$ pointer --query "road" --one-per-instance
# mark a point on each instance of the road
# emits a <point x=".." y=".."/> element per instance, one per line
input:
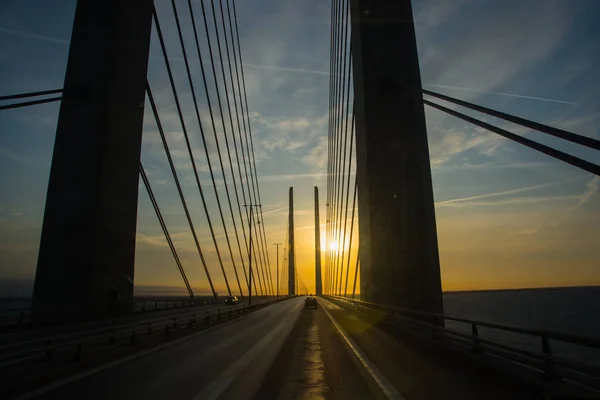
<point x="240" y="359"/>
<point x="287" y="351"/>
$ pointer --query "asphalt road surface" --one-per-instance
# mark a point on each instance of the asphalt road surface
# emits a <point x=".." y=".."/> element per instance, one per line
<point x="281" y="351"/>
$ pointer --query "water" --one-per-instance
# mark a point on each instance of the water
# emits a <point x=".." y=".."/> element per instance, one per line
<point x="568" y="310"/>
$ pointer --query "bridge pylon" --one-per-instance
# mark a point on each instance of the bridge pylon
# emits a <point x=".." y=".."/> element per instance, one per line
<point x="87" y="248"/>
<point x="399" y="261"/>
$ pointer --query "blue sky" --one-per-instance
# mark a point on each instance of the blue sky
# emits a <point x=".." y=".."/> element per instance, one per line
<point x="507" y="216"/>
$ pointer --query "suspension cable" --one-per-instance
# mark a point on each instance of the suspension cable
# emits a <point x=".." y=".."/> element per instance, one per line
<point x="219" y="101"/>
<point x="233" y="134"/>
<point x="549" y="130"/>
<point x="184" y="129"/>
<point x="557" y="154"/>
<point x="347" y="199"/>
<point x="241" y="140"/>
<point x="29" y="103"/>
<point x="179" y="190"/>
<point x="163" y="225"/>
<point x="30" y="94"/>
<point x="248" y="116"/>
<point x="351" y="235"/>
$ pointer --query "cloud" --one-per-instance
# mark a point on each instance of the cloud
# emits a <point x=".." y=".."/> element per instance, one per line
<point x="317" y="156"/>
<point x="593" y="187"/>
<point x="34" y="36"/>
<point x="488" y="165"/>
<point x="511" y="201"/>
<point x="502" y="94"/>
<point x="447" y="140"/>
<point x="285" y="69"/>
<point x="449" y="203"/>
<point x="484" y="54"/>
<point x="16" y="157"/>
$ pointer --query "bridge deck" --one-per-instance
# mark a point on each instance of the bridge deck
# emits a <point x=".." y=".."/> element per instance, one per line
<point x="286" y="351"/>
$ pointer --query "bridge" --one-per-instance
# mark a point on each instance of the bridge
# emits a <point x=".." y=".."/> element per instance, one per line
<point x="379" y="329"/>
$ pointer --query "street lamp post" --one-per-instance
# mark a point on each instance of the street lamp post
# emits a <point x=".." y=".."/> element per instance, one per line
<point x="277" y="244"/>
<point x="250" y="254"/>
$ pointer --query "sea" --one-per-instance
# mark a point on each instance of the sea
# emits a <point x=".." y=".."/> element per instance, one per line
<point x="574" y="310"/>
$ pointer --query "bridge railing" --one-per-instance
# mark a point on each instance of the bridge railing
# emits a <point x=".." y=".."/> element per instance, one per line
<point x="543" y="361"/>
<point x="18" y="316"/>
<point x="73" y="346"/>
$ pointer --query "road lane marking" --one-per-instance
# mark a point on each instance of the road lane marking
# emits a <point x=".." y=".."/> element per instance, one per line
<point x="47" y="388"/>
<point x="313" y="370"/>
<point x="384" y="384"/>
<point x="224" y="380"/>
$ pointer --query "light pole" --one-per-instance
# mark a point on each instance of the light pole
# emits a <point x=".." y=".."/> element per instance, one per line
<point x="250" y="254"/>
<point x="277" y="244"/>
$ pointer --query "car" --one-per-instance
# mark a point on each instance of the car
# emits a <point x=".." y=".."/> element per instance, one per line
<point x="231" y="301"/>
<point x="310" y="302"/>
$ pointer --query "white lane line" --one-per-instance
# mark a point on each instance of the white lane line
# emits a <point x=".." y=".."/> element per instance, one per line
<point x="384" y="384"/>
<point x="93" y="371"/>
<point x="222" y="382"/>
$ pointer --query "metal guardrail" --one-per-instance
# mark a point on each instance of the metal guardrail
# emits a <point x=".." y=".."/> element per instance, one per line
<point x="19" y="316"/>
<point x="544" y="362"/>
<point x="72" y="346"/>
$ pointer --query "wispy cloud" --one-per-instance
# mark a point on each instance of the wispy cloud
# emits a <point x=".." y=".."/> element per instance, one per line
<point x="461" y="201"/>
<point x="285" y="69"/>
<point x="34" y="36"/>
<point x="16" y="157"/>
<point x="488" y="165"/>
<point x="501" y="94"/>
<point x="274" y="211"/>
<point x="593" y="187"/>
<point x="511" y="201"/>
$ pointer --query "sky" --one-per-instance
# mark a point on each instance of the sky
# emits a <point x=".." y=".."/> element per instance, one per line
<point x="506" y="216"/>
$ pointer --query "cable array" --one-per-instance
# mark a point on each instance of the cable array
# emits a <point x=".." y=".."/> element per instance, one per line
<point x="417" y="94"/>
<point x="41" y="93"/>
<point x="223" y="91"/>
<point x="340" y="168"/>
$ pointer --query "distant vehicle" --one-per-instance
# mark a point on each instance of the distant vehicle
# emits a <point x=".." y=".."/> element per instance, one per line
<point x="231" y="300"/>
<point x="310" y="302"/>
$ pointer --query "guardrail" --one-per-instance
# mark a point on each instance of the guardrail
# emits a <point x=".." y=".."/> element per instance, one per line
<point x="73" y="346"/>
<point x="544" y="362"/>
<point x="18" y="317"/>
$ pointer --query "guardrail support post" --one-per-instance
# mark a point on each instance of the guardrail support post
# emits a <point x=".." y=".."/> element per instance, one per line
<point x="49" y="354"/>
<point x="476" y="341"/>
<point x="549" y="373"/>
<point x="78" y="352"/>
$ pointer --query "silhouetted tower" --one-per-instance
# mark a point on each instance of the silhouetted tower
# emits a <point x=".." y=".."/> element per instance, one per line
<point x="291" y="257"/>
<point x="318" y="284"/>
<point x="87" y="248"/>
<point x="398" y="243"/>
